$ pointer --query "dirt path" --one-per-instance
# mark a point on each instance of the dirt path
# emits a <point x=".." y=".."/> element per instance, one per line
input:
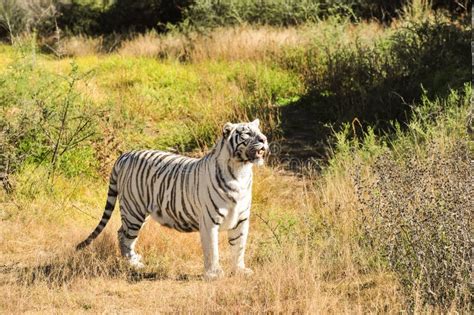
<point x="303" y="145"/>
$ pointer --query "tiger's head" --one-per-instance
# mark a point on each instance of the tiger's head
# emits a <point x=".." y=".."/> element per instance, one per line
<point x="246" y="142"/>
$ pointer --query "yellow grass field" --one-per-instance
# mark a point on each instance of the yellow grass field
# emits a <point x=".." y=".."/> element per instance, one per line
<point x="48" y="276"/>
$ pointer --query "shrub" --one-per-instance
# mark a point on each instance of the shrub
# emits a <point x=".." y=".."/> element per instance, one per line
<point x="416" y="204"/>
<point x="140" y="16"/>
<point x="279" y="12"/>
<point x="79" y="17"/>
<point x="44" y="120"/>
<point x="17" y="17"/>
<point x="419" y="219"/>
<point x="378" y="82"/>
<point x="216" y="13"/>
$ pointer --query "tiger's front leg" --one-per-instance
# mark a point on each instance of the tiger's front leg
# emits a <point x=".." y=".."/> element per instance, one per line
<point x="237" y="239"/>
<point x="210" y="246"/>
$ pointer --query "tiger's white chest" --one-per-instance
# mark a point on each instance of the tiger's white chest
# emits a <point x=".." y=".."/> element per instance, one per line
<point x="236" y="212"/>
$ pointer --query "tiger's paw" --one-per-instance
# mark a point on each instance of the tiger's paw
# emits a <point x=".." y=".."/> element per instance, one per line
<point x="214" y="274"/>
<point x="135" y="261"/>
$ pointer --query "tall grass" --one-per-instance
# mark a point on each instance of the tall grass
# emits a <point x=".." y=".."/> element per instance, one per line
<point x="240" y="43"/>
<point x="416" y="204"/>
<point x="377" y="81"/>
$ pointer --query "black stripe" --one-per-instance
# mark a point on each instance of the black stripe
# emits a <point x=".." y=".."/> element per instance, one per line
<point x="186" y="227"/>
<point x="183" y="201"/>
<point x="214" y="204"/>
<point x="141" y="216"/>
<point x="136" y="201"/>
<point x="234" y="239"/>
<point x="212" y="219"/>
<point x="170" y="206"/>
<point x="106" y="215"/>
<point x="109" y="206"/>
<point x="129" y="182"/>
<point x="223" y="187"/>
<point x="230" y="170"/>
<point x="238" y="223"/>
<point x="142" y="167"/>
<point x="221" y="179"/>
<point x="151" y="179"/>
<point x="130" y="237"/>
<point x="130" y="211"/>
<point x="219" y="189"/>
<point x="130" y="225"/>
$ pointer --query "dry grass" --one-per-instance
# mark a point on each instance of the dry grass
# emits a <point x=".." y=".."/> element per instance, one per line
<point x="79" y="46"/>
<point x="239" y="43"/>
<point x="417" y="208"/>
<point x="231" y="43"/>
<point x="41" y="272"/>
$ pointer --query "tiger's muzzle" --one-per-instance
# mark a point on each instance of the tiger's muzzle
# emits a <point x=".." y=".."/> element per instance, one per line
<point x="258" y="150"/>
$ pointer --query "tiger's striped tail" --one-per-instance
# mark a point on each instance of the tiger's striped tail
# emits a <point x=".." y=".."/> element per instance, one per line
<point x="109" y="208"/>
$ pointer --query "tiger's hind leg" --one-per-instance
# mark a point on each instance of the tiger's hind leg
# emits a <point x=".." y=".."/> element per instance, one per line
<point x="128" y="235"/>
<point x="127" y="248"/>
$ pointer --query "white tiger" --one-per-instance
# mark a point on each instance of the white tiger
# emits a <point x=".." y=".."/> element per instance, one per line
<point x="208" y="195"/>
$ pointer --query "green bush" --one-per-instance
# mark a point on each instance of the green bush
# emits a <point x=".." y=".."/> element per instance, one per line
<point x="215" y="13"/>
<point x="43" y="120"/>
<point x="276" y="12"/>
<point x="378" y="83"/>
<point x="79" y="17"/>
<point x="120" y="16"/>
<point x="416" y="203"/>
<point x="286" y="12"/>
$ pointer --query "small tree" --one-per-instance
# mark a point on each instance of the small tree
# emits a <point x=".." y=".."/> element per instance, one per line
<point x="24" y="16"/>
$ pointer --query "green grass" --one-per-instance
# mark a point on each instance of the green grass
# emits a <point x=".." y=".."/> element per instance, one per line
<point x="145" y="103"/>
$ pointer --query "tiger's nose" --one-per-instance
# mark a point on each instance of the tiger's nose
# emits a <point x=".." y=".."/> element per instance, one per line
<point x="261" y="138"/>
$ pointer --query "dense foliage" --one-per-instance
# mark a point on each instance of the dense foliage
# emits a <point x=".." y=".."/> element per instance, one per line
<point x="379" y="82"/>
<point x="94" y="17"/>
<point x="122" y="16"/>
<point x="416" y="203"/>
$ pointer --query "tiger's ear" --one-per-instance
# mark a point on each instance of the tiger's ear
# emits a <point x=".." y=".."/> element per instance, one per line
<point x="255" y="123"/>
<point x="227" y="129"/>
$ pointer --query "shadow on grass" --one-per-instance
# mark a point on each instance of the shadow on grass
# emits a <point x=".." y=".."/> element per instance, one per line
<point x="372" y="85"/>
<point x="61" y="273"/>
<point x="101" y="260"/>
